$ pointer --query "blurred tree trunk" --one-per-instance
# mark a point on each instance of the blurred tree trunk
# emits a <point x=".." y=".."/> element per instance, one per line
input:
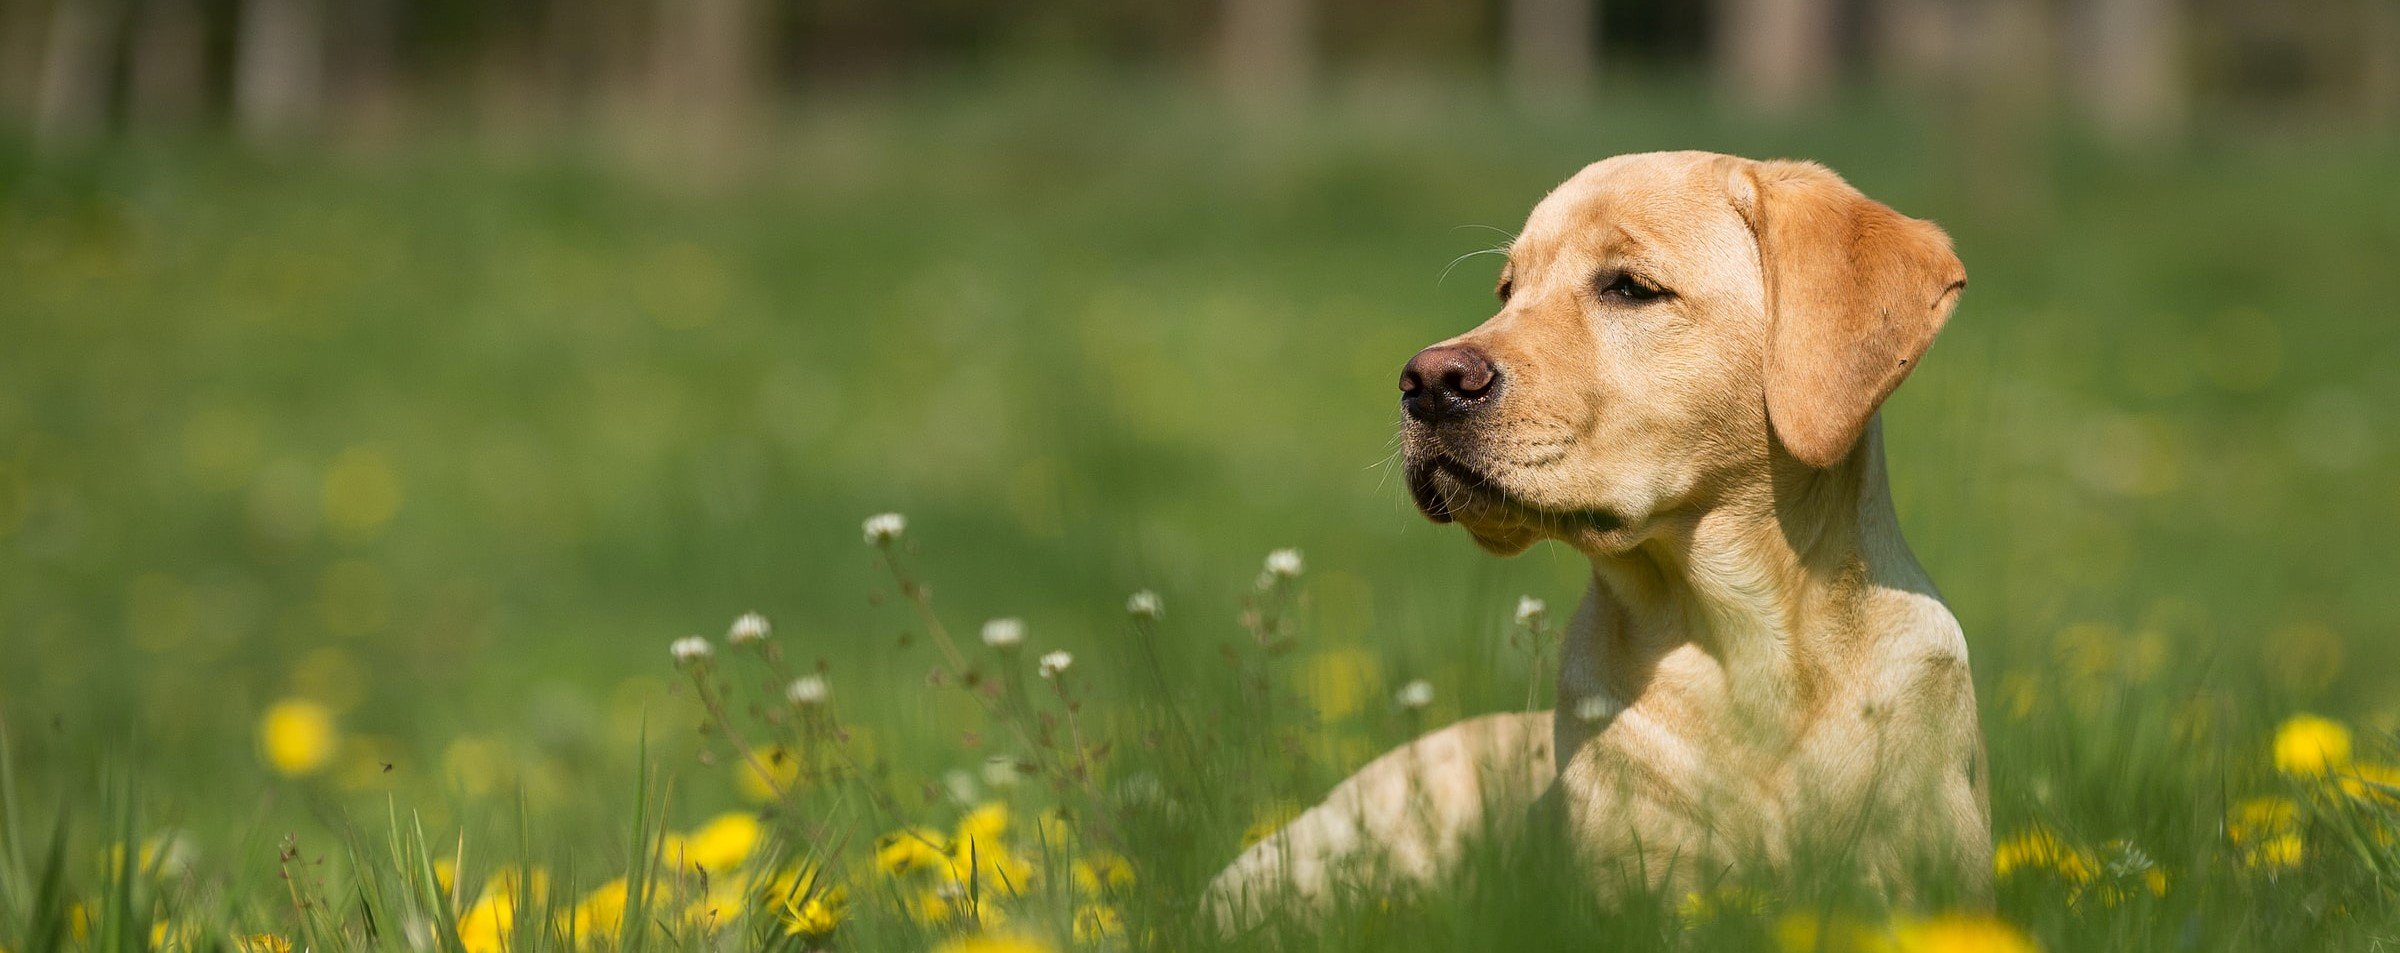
<point x="279" y="67"/>
<point x="78" y="59"/>
<point x="571" y="58"/>
<point x="2003" y="118"/>
<point x="1552" y="51"/>
<point x="2380" y="74"/>
<point x="365" y="75"/>
<point x="1775" y="56"/>
<point x="170" y="63"/>
<point x="1916" y="42"/>
<point x="705" y="67"/>
<point x="1267" y="50"/>
<point x="2131" y="69"/>
<point x="21" y="41"/>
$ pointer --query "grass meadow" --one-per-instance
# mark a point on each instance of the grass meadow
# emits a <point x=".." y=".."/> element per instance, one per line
<point x="350" y="502"/>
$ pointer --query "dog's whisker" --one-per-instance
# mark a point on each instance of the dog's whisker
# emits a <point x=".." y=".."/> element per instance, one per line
<point x="1506" y="237"/>
<point x="1446" y="269"/>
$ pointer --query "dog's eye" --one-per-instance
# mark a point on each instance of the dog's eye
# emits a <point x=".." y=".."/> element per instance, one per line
<point x="1631" y="288"/>
<point x="1506" y="286"/>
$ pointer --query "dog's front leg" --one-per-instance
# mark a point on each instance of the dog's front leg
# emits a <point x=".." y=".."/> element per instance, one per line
<point x="1400" y="820"/>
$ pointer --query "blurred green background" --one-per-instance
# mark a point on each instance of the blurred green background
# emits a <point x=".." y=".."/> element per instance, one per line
<point x="445" y="376"/>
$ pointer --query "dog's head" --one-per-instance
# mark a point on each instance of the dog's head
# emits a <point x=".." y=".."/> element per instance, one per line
<point x="1670" y="325"/>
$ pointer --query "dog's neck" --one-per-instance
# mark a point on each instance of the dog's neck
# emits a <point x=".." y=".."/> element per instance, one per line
<point x="1747" y="612"/>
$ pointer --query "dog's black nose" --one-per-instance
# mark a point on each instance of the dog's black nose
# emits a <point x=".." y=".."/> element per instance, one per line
<point x="1444" y="382"/>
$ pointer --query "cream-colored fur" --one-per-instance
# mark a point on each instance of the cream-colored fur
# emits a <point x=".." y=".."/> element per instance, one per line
<point x="1759" y="664"/>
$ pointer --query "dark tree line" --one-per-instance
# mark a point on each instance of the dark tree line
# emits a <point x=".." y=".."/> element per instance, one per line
<point x="706" y="69"/>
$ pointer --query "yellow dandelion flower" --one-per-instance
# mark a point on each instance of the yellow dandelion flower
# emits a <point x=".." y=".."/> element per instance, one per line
<point x="769" y="772"/>
<point x="990" y="866"/>
<point x="908" y="851"/>
<point x="1807" y="933"/>
<point x="1100" y="873"/>
<point x="1055" y="829"/>
<point x="993" y="943"/>
<point x="2307" y="746"/>
<point x="725" y="900"/>
<point x="948" y="903"/>
<point x="942" y="906"/>
<point x="2280" y="852"/>
<point x="491" y="919"/>
<point x="1703" y="907"/>
<point x="2037" y="848"/>
<point x="985" y="824"/>
<point x="262" y="943"/>
<point x="168" y="935"/>
<point x="1960" y="933"/>
<point x="816" y="914"/>
<point x="1097" y="922"/>
<point x="722" y="844"/>
<point x="2267" y="829"/>
<point x="2375" y="782"/>
<point x="979" y="852"/>
<point x="486" y="925"/>
<point x="933" y="907"/>
<point x="297" y="737"/>
<point x="601" y="913"/>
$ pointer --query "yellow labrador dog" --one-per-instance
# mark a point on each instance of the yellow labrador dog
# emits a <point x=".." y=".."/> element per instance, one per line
<point x="1682" y="383"/>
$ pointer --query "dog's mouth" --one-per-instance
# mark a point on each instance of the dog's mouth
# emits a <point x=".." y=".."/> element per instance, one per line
<point x="1447" y="490"/>
<point x="1446" y="487"/>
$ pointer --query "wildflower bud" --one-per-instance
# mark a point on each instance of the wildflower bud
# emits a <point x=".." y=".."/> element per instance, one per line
<point x="1000" y="771"/>
<point x="1415" y="695"/>
<point x="807" y="690"/>
<point x="1284" y="563"/>
<point x="690" y="649"/>
<point x="961" y="786"/>
<point x="1004" y="633"/>
<point x="1056" y="662"/>
<point x="1144" y="605"/>
<point x="1531" y="611"/>
<point x="883" y="528"/>
<point x="751" y="627"/>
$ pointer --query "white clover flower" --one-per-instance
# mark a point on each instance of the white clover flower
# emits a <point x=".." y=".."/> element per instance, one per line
<point x="690" y="648"/>
<point x="1595" y="707"/>
<point x="1056" y="662"/>
<point x="1004" y="633"/>
<point x="1144" y="605"/>
<point x="961" y="786"/>
<point x="807" y="690"/>
<point x="1000" y="771"/>
<point x="1285" y="563"/>
<point x="1531" y="610"/>
<point x="751" y="627"/>
<point x="1415" y="695"/>
<point x="883" y="528"/>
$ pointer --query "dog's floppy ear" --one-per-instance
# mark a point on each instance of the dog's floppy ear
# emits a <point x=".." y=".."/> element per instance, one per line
<point x="1855" y="293"/>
